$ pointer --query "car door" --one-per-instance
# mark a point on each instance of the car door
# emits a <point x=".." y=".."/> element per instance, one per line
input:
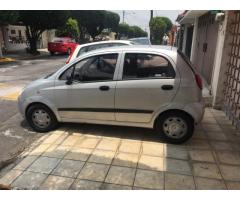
<point x="91" y="94"/>
<point x="148" y="82"/>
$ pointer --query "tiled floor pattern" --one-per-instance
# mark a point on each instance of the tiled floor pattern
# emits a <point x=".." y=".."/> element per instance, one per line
<point x="119" y="158"/>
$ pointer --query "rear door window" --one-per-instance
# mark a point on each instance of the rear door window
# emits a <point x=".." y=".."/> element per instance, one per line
<point x="146" y="66"/>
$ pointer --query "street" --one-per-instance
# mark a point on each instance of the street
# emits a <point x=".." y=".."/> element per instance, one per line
<point x="14" y="132"/>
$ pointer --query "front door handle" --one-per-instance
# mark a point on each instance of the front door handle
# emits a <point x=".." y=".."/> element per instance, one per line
<point x="104" y="88"/>
<point x="167" y="87"/>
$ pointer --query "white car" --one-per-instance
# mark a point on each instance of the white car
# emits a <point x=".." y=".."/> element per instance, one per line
<point x="84" y="48"/>
<point x="129" y="85"/>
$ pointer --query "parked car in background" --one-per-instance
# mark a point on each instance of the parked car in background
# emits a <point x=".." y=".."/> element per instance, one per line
<point x="130" y="86"/>
<point x="84" y="48"/>
<point x="62" y="45"/>
<point x="141" y="41"/>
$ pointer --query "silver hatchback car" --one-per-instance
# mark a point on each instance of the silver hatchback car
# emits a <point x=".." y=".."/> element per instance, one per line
<point x="129" y="85"/>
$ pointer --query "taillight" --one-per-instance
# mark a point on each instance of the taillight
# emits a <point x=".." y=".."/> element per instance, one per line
<point x="199" y="81"/>
<point x="69" y="58"/>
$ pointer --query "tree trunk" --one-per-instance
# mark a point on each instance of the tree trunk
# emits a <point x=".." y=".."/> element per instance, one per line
<point x="32" y="37"/>
<point x="1" y="55"/>
<point x="33" y="45"/>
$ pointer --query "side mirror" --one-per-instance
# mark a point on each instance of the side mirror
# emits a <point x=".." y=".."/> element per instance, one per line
<point x="69" y="80"/>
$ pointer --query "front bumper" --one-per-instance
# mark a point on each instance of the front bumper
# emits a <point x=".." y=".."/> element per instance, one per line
<point x="21" y="106"/>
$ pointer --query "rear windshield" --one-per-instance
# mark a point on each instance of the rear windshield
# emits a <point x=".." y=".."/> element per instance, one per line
<point x="61" y="40"/>
<point x="186" y="59"/>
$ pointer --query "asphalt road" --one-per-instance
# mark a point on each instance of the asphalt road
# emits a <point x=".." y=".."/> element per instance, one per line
<point x="15" y="135"/>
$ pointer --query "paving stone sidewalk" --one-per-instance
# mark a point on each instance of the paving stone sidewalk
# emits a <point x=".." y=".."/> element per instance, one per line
<point x="110" y="157"/>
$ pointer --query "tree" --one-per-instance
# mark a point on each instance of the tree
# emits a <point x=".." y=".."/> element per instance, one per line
<point x="70" y="29"/>
<point x="37" y="21"/>
<point x="92" y="20"/>
<point x="130" y="31"/>
<point x="168" y="23"/>
<point x="123" y="30"/>
<point x="111" y="20"/>
<point x="136" y="31"/>
<point x="157" y="28"/>
<point x="7" y="17"/>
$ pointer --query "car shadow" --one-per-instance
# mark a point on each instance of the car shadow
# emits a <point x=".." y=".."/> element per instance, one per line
<point x="124" y="132"/>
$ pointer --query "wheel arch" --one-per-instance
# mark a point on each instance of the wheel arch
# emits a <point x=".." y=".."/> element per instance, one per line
<point x="40" y="103"/>
<point x="172" y="110"/>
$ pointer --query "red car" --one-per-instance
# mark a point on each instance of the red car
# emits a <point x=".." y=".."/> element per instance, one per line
<point x="62" y="45"/>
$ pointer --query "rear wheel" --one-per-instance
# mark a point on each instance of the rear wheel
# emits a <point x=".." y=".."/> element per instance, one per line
<point x="52" y="53"/>
<point x="175" y="126"/>
<point x="41" y="118"/>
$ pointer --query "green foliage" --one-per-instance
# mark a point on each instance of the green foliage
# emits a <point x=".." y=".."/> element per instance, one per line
<point x="37" y="21"/>
<point x="123" y="29"/>
<point x="158" y="28"/>
<point x="8" y="17"/>
<point x="130" y="31"/>
<point x="136" y="31"/>
<point x="111" y="21"/>
<point x="168" y="23"/>
<point x="94" y="21"/>
<point x="70" y="29"/>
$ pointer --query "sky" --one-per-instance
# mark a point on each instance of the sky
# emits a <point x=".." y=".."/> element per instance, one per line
<point x="141" y="17"/>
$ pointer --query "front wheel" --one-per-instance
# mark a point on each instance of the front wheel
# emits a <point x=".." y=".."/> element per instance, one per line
<point x="175" y="127"/>
<point x="41" y="118"/>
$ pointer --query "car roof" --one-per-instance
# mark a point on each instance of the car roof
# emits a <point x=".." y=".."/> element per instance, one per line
<point x="166" y="50"/>
<point x="106" y="42"/>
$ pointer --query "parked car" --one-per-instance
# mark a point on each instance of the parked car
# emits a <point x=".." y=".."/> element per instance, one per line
<point x="128" y="85"/>
<point x="62" y="45"/>
<point x="84" y="48"/>
<point x="141" y="41"/>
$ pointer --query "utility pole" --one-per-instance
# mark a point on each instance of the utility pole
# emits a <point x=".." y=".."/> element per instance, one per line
<point x="123" y="16"/>
<point x="151" y="16"/>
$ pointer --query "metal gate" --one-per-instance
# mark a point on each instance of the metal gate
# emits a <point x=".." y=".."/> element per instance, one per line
<point x="232" y="83"/>
<point x="206" y="45"/>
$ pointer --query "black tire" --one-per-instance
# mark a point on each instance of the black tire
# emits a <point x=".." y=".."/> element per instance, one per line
<point x="53" y="120"/>
<point x="69" y="51"/>
<point x="159" y="126"/>
<point x="52" y="53"/>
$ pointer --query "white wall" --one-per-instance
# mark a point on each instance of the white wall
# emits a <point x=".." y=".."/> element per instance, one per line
<point x="221" y="59"/>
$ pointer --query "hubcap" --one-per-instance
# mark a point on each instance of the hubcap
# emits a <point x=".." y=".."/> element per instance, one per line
<point x="41" y="118"/>
<point x="175" y="127"/>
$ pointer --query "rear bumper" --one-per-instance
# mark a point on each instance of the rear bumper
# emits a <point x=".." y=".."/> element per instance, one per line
<point x="58" y="50"/>
<point x="196" y="110"/>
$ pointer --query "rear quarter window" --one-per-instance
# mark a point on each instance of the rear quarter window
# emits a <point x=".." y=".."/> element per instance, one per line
<point x="147" y="66"/>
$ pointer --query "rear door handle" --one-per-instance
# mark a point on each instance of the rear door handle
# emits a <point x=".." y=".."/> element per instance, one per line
<point x="167" y="87"/>
<point x="104" y="88"/>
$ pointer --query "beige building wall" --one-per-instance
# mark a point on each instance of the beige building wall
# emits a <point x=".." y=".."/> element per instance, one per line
<point x="47" y="36"/>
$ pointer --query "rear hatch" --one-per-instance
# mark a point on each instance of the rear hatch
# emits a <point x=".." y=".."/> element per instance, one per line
<point x="55" y="44"/>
